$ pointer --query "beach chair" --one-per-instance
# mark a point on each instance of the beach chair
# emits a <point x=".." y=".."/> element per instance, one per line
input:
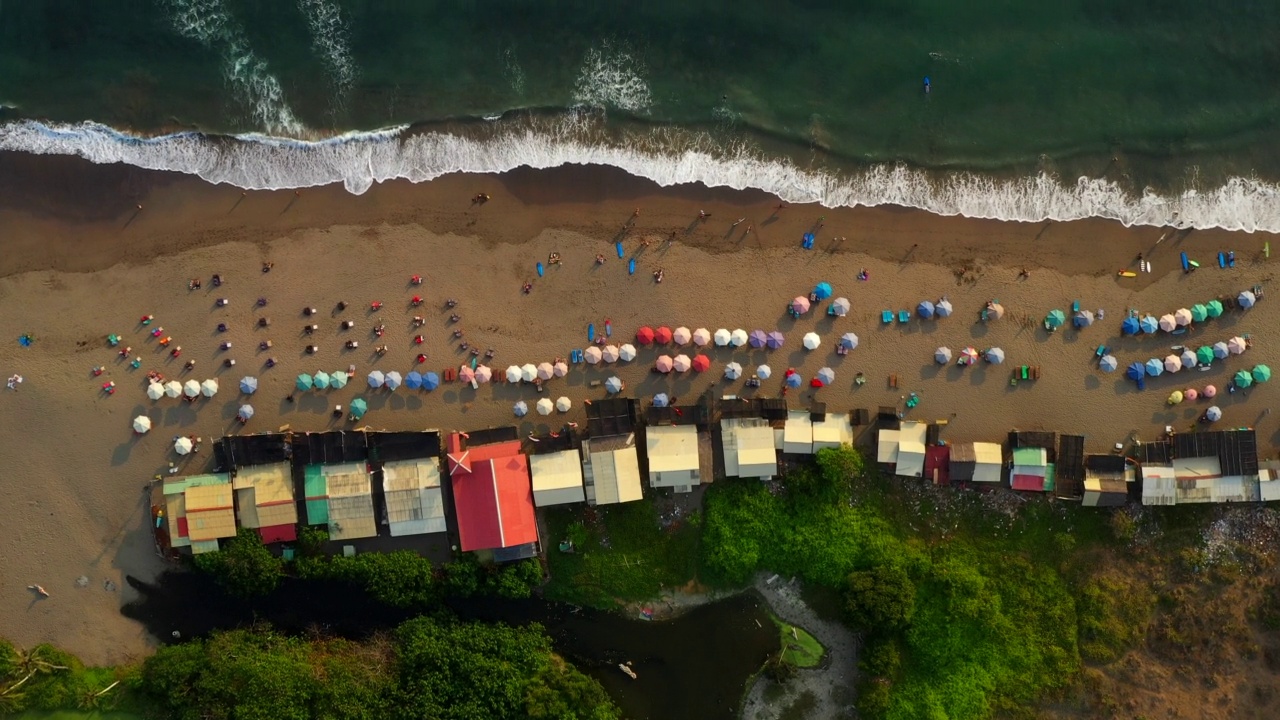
<point x="904" y="316"/>
<point x="886" y="316"/>
<point x="449" y="374"/>
<point x="1102" y="350"/>
<point x="1013" y="377"/>
<point x="1026" y="372"/>
<point x="893" y="381"/>
<point x="1035" y="372"/>
<point x="1075" y="306"/>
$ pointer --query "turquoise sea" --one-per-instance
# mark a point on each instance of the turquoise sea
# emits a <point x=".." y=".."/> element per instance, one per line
<point x="1147" y="112"/>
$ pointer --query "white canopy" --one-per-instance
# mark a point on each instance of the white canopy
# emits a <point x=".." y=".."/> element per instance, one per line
<point x="141" y="424"/>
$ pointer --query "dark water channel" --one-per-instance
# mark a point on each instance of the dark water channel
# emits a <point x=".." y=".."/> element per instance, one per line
<point x="694" y="666"/>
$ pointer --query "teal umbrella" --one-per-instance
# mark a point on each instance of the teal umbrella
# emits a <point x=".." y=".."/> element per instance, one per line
<point x="338" y="380"/>
<point x="1213" y="308"/>
<point x="1204" y="355"/>
<point x="322" y="380"/>
<point x="358" y="408"/>
<point x="304" y="381"/>
<point x="1055" y="319"/>
<point x="1261" y="373"/>
<point x="1243" y="379"/>
<point x="1199" y="313"/>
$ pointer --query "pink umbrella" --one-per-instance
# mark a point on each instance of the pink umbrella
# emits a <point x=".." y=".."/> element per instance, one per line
<point x="682" y="336"/>
<point x="701" y="337"/>
<point x="1190" y="394"/>
<point x="1210" y="391"/>
<point x="466" y="374"/>
<point x="484" y="374"/>
<point x="1236" y="345"/>
<point x="610" y="353"/>
<point x="593" y="354"/>
<point x="664" y="363"/>
<point x="546" y="371"/>
<point x="800" y="305"/>
<point x="560" y="369"/>
<point x="1168" y="323"/>
<point x="682" y="363"/>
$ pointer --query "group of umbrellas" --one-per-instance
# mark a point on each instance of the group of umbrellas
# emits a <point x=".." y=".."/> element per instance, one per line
<point x="1182" y="317"/>
<point x="543" y="406"/>
<point x="190" y="388"/>
<point x="319" y="381"/>
<point x="969" y="356"/>
<point x="1188" y="358"/>
<point x="927" y="309"/>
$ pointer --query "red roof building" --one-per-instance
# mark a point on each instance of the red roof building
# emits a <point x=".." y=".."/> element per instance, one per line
<point x="492" y="495"/>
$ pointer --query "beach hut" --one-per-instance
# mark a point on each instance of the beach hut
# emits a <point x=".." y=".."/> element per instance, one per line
<point x="968" y="356"/>
<point x="1199" y="313"/>
<point x="826" y="375"/>
<point x="664" y="364"/>
<point x="1136" y="371"/>
<point x="483" y="374"/>
<point x="1189" y="358"/>
<point x="338" y="379"/>
<point x="849" y="341"/>
<point x="925" y="309"/>
<point x="1154" y="367"/>
<point x="564" y="404"/>
<point x="593" y="355"/>
<point x="546" y="371"/>
<point x="738" y="338"/>
<point x="682" y="363"/>
<point x="561" y="368"/>
<point x="1168" y="323"/>
<point x="413" y="380"/>
<point x="155" y="391"/>
<point x="942" y="355"/>
<point x="701" y="363"/>
<point x="702" y="337"/>
<point x="800" y="305"/>
<point x="732" y="371"/>
<point x="376" y="378"/>
<point x="1220" y="350"/>
<point x="1213" y="414"/>
<point x="663" y="335"/>
<point x="430" y="381"/>
<point x="812" y="341"/>
<point x="610" y="353"/>
<point x="757" y="339"/>
<point x="721" y="337"/>
<point x="661" y="400"/>
<point x="1214" y="308"/>
<point x="545" y="406"/>
<point x="613" y="385"/>
<point x="943" y="308"/>
<point x="1247" y="299"/>
<point x="626" y="353"/>
<point x="521" y="408"/>
<point x="304" y="382"/>
<point x="1261" y="373"/>
<point x="1082" y="318"/>
<point x="209" y="388"/>
<point x="245" y="412"/>
<point x="1209" y="391"/>
<point x="776" y="339"/>
<point x="644" y="335"/>
<point x="822" y="290"/>
<point x="995" y="356"/>
<point x="359" y="407"/>
<point x="763" y="372"/>
<point x="529" y="372"/>
<point x="1172" y="363"/>
<point x="840" y="307"/>
<point x="1130" y="326"/>
<point x="1149" y="324"/>
<point x="172" y="389"/>
<point x="1204" y="354"/>
<point x="183" y="445"/>
<point x="320" y="380"/>
<point x="682" y="336"/>
<point x="1108" y="363"/>
<point x="394" y="380"/>
<point x="1242" y="378"/>
<point x="793" y="379"/>
<point x="1182" y="316"/>
<point x="1237" y="345"/>
<point x="248" y="385"/>
<point x="1054" y="320"/>
<point x="141" y="424"/>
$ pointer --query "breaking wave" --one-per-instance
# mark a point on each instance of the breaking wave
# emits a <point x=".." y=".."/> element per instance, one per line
<point x="663" y="155"/>
<point x="611" y="77"/>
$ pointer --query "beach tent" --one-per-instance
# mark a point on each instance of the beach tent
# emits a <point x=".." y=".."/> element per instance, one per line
<point x="209" y="387"/>
<point x="1213" y="414"/>
<point x="943" y="308"/>
<point x="1214" y="308"/>
<point x="849" y="341"/>
<point x="1168" y="323"/>
<point x="1172" y="363"/>
<point x="738" y="338"/>
<point x="1220" y="350"/>
<point x="304" y="382"/>
<point x="359" y="407"/>
<point x="430" y="381"/>
<point x="1055" y="319"/>
<point x="245" y="412"/>
<point x="183" y="445"/>
<point x="701" y="363"/>
<point x="682" y="363"/>
<point x="800" y="305"/>
<point x="664" y="364"/>
<point x="521" y="408"/>
<point x="995" y="356"/>
<point x="155" y="391"/>
<point x="1149" y="324"/>
<point x="546" y="371"/>
<point x="1242" y="378"/>
<point x="1247" y="299"/>
<point x="722" y="337"/>
<point x="776" y="339"/>
<point x="1237" y="345"/>
<point x="141" y="424"/>
<point x="1189" y="358"/>
<point x="248" y="385"/>
<point x="483" y="374"/>
<point x="320" y="380"/>
<point x="661" y="400"/>
<point x="826" y="375"/>
<point x="1108" y="363"/>
<point x="1082" y="318"/>
<point x="529" y="372"/>
<point x="172" y="389"/>
<point x="925" y="309"/>
<point x="338" y="379"/>
<point x="812" y="341"/>
<point x="1136" y="371"/>
<point x="682" y="336"/>
<point x="413" y="380"/>
<point x="610" y="353"/>
<point x="593" y="355"/>
<point x="545" y="406"/>
<point x="376" y="379"/>
<point x="1261" y="373"/>
<point x="626" y="353"/>
<point x="644" y="335"/>
<point x="1154" y="367"/>
<point x="758" y="338"/>
<point x="763" y="372"/>
<point x="942" y="355"/>
<point x="840" y="307"/>
<point x="394" y="380"/>
<point x="1130" y="326"/>
<point x="663" y="335"/>
<point x="822" y="290"/>
<point x="1199" y="313"/>
<point x="563" y="404"/>
<point x="1182" y="316"/>
<point x="702" y="337"/>
<point x="794" y="380"/>
<point x="732" y="371"/>
<point x="613" y="385"/>
<point x="1204" y="354"/>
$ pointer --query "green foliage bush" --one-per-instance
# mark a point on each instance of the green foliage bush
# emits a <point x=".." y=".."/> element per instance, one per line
<point x="881" y="599"/>
<point x="1114" y="613"/>
<point x="244" y="566"/>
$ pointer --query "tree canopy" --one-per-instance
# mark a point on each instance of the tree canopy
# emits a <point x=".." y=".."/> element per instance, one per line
<point x="244" y="566"/>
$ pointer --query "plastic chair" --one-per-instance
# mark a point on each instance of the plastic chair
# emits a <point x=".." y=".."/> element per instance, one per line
<point x="886" y="316"/>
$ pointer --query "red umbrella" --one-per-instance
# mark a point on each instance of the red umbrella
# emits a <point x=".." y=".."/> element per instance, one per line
<point x="815" y="383"/>
<point x="644" y="335"/>
<point x="662" y="335"/>
<point x="701" y="363"/>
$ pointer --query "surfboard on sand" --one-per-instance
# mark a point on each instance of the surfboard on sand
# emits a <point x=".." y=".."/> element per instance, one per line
<point x="591" y="332"/>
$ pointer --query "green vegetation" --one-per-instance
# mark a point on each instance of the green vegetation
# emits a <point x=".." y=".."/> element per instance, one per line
<point x="621" y="553"/>
<point x="44" y="678"/>
<point x="799" y="648"/>
<point x="1114" y="613"/>
<point x="244" y="566"/>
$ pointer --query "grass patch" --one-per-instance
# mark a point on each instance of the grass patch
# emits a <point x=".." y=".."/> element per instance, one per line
<point x="799" y="649"/>
<point x="1115" y="612"/>
<point x="622" y="553"/>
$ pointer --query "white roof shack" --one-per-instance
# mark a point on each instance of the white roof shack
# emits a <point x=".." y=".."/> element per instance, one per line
<point x="887" y="447"/>
<point x="748" y="445"/>
<point x="673" y="456"/>
<point x="989" y="458"/>
<point x="832" y="431"/>
<point x="412" y="492"/>
<point x="797" y="434"/>
<point x="1269" y="482"/>
<point x="903" y="448"/>
<point x="557" y="478"/>
<point x="1159" y="485"/>
<point x="611" y="471"/>
<point x="350" y="501"/>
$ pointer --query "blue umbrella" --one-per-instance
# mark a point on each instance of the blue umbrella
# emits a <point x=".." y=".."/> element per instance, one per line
<point x="758" y="339"/>
<point x="822" y="291"/>
<point x="661" y="400"/>
<point x="943" y="308"/>
<point x="1130" y="326"/>
<point x="1149" y="324"/>
<point x="430" y="381"/>
<point x="794" y="380"/>
<point x="1155" y="367"/>
<point x="413" y="380"/>
<point x="248" y="385"/>
<point x="304" y="382"/>
<point x="827" y="375"/>
<point x="1108" y="363"/>
<point x="925" y="309"/>
<point x="1136" y="371"/>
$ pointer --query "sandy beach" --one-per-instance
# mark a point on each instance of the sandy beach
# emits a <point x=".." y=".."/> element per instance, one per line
<point x="83" y="261"/>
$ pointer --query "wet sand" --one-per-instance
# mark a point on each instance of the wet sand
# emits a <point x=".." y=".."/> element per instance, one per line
<point x="82" y="262"/>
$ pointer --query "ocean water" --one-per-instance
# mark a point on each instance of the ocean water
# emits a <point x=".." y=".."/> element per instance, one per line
<point x="1146" y="112"/>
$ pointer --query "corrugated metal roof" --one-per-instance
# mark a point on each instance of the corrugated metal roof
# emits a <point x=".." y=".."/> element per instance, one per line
<point x="1030" y="457"/>
<point x="411" y="489"/>
<point x="210" y="512"/>
<point x="351" y="517"/>
<point x="797" y="433"/>
<point x="672" y="447"/>
<point x="616" y="475"/>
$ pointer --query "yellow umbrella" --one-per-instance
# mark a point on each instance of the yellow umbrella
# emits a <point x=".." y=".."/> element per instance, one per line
<point x="1175" y="397"/>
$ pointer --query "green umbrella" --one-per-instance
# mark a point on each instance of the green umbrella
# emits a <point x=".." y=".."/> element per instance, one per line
<point x="1243" y="379"/>
<point x="358" y="408"/>
<point x="304" y="382"/>
<point x="321" y="380"/>
<point x="338" y="379"/>
<point x="1055" y="319"/>
<point x="1214" y="308"/>
<point x="1205" y="355"/>
<point x="1261" y="373"/>
<point x="1199" y="313"/>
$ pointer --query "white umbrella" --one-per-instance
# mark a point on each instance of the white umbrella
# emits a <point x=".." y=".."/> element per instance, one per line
<point x="155" y="391"/>
<point x="733" y="371"/>
<point x="627" y="352"/>
<point x="248" y="385"/>
<point x="1183" y="317"/>
<point x="563" y="404"/>
<point x="191" y="388"/>
<point x="849" y="341"/>
<point x="546" y="371"/>
<point x="738" y="338"/>
<point x="209" y="387"/>
<point x="393" y="380"/>
<point x="722" y="337"/>
<point x="840" y="307"/>
<point x="826" y="376"/>
<point x="682" y="336"/>
<point x="141" y="424"/>
<point x="521" y="408"/>
<point x="376" y="379"/>
<point x="812" y="341"/>
<point x="682" y="363"/>
<point x="593" y="355"/>
<point x="942" y="355"/>
<point x="545" y="406"/>
<point x="763" y="372"/>
<point x="610" y="354"/>
<point x="528" y="372"/>
<point x="173" y="388"/>
<point x="182" y="445"/>
<point x="561" y="369"/>
<point x="701" y="336"/>
<point x="513" y="374"/>
<point x="1172" y="363"/>
<point x="613" y="385"/>
<point x="1213" y="414"/>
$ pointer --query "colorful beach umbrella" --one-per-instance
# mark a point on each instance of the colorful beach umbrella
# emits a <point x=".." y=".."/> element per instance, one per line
<point x="141" y="424"/>
<point x="430" y="381"/>
<point x="626" y="353"/>
<point x="776" y="339"/>
<point x="800" y="305"/>
<point x="1214" y="308"/>
<point x="394" y="380"/>
<point x="248" y="385"/>
<point x="183" y="445"/>
<point x="1082" y="318"/>
<point x="613" y="385"/>
<point x="942" y="355"/>
<point x="969" y="355"/>
<point x="209" y="387"/>
<point x="483" y="374"/>
<point x="1182" y="316"/>
<point x="995" y="311"/>
<point x="172" y="389"/>
<point x="1149" y="324"/>
<point x="664" y="364"/>
<point x="1220" y="350"/>
<point x="528" y="372"/>
<point x="545" y="406"/>
<point x="338" y="379"/>
<point x="794" y="380"/>
<point x="546" y="371"/>
<point x="1189" y="358"/>
<point x="1247" y="299"/>
<point x="682" y="363"/>
<point x="1154" y="367"/>
<point x="304" y="382"/>
<point x="1130" y="326"/>
<point x="849" y="341"/>
<point x="738" y="338"/>
<point x="701" y="363"/>
<point x="1108" y="363"/>
<point x="1172" y="363"/>
<point x="521" y="408"/>
<point x="682" y="336"/>
<point x="826" y="375"/>
<point x="758" y="338"/>
<point x="822" y="290"/>
<point x="413" y="380"/>
<point x="1168" y="323"/>
<point x="1199" y="313"/>
<point x="1213" y="414"/>
<point x="1242" y="378"/>
<point x="661" y="400"/>
<point x="925" y="309"/>
<point x="155" y="391"/>
<point x="359" y="407"/>
<point x="245" y="412"/>
<point x="1055" y="319"/>
<point x="1237" y="345"/>
<point x="812" y="341"/>
<point x="663" y="335"/>
<point x="564" y="404"/>
<point x="732" y="371"/>
<point x="763" y="372"/>
<point x="644" y="335"/>
<point x="943" y="308"/>
<point x="722" y="337"/>
<point x="702" y="337"/>
<point x="376" y="379"/>
<point x="1204" y="355"/>
<point x="840" y="307"/>
<point x="593" y="355"/>
<point x="1261" y="373"/>
<point x="321" y="380"/>
<point x="995" y="356"/>
<point x="1136" y="371"/>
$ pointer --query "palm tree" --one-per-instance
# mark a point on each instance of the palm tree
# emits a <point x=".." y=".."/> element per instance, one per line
<point x="91" y="700"/>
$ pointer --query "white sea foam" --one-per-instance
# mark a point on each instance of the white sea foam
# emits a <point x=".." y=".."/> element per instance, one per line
<point x="210" y="23"/>
<point x="512" y="71"/>
<point x="612" y="77"/>
<point x="665" y="156"/>
<point x="330" y="37"/>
